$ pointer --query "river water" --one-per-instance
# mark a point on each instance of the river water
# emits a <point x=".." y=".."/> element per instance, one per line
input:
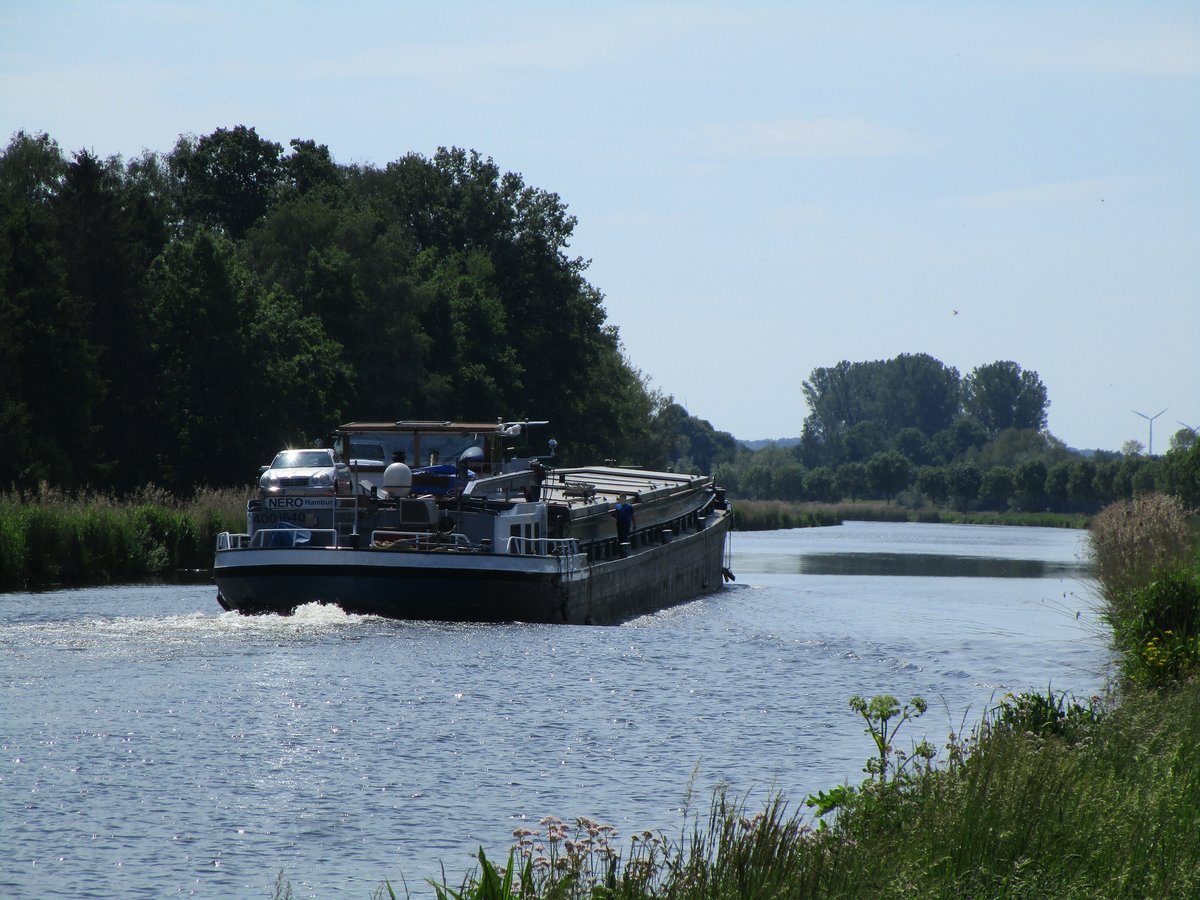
<point x="153" y="745"/>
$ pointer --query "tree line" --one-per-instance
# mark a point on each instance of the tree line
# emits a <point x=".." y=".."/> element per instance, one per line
<point x="177" y="318"/>
<point x="911" y="429"/>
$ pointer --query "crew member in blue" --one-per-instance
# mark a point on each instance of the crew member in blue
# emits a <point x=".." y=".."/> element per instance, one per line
<point x="623" y="512"/>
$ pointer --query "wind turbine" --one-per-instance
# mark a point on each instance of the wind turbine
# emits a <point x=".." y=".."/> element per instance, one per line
<point x="1150" y="419"/>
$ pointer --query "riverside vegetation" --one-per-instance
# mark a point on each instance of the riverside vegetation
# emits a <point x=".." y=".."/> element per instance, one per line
<point x="769" y="515"/>
<point x="1047" y="796"/>
<point x="48" y="537"/>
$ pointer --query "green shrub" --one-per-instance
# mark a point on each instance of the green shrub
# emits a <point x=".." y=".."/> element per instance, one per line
<point x="1045" y="715"/>
<point x="1160" y="639"/>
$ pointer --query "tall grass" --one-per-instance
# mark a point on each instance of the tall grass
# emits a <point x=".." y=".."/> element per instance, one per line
<point x="1131" y="539"/>
<point x="51" y="538"/>
<point x="1149" y="576"/>
<point x="1043" y="798"/>
<point x="1110" y="810"/>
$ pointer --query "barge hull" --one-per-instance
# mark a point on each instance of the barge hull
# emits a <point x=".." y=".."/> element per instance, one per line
<point x="416" y="586"/>
<point x="653" y="578"/>
<point x="448" y="595"/>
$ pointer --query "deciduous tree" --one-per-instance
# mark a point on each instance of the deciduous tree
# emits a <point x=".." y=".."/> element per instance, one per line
<point x="52" y="386"/>
<point x="228" y="178"/>
<point x="1002" y="395"/>
<point x="934" y="483"/>
<point x="888" y="472"/>
<point x="997" y="487"/>
<point x="1030" y="483"/>
<point x="852" y="480"/>
<point x="820" y="485"/>
<point x="965" y="480"/>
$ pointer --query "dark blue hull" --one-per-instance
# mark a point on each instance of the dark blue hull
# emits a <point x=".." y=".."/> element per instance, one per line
<point x="476" y="587"/>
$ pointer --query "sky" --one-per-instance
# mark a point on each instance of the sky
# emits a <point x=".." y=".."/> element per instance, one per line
<point x="762" y="188"/>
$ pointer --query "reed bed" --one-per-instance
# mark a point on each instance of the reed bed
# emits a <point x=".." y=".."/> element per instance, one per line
<point x="769" y="515"/>
<point x="1037" y="520"/>
<point x="50" y="537"/>
<point x="868" y="511"/>
<point x="1148" y="569"/>
<point x="1133" y="538"/>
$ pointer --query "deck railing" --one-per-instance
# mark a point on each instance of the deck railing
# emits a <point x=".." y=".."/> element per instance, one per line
<point x="228" y="540"/>
<point x="272" y="538"/>
<point x="525" y="546"/>
<point x="384" y="539"/>
<point x="565" y="550"/>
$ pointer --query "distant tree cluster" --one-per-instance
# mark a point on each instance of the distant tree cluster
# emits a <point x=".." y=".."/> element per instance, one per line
<point x="912" y="429"/>
<point x="178" y="318"/>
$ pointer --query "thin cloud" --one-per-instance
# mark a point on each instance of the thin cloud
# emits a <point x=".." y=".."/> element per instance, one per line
<point x="1054" y="194"/>
<point x="809" y="139"/>
<point x="792" y="216"/>
<point x="1170" y="54"/>
<point x="648" y="221"/>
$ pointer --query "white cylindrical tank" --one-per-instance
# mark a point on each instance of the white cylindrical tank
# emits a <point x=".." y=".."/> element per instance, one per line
<point x="397" y="480"/>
